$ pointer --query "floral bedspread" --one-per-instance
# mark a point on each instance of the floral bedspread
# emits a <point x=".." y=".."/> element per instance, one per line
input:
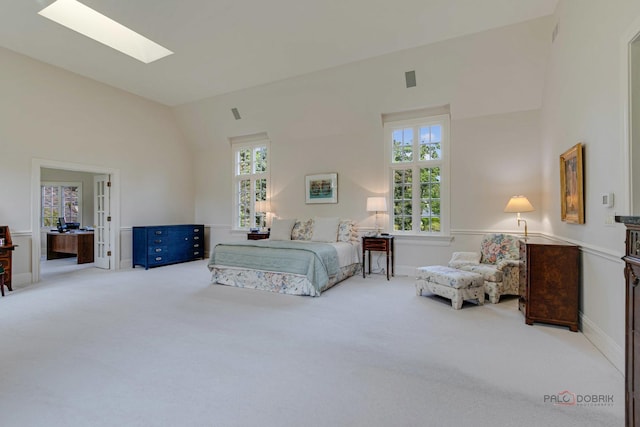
<point x="316" y="262"/>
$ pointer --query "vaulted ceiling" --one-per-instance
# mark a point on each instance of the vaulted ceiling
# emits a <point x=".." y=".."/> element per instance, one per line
<point x="225" y="45"/>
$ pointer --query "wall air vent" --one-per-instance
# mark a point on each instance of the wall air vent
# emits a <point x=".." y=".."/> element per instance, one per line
<point x="410" y="77"/>
<point x="236" y="114"/>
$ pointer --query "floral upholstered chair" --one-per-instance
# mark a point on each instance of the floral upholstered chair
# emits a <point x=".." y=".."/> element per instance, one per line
<point x="499" y="264"/>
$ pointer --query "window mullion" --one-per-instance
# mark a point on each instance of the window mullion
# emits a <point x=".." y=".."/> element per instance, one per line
<point x="416" y="185"/>
<point x="415" y="198"/>
<point x="252" y="197"/>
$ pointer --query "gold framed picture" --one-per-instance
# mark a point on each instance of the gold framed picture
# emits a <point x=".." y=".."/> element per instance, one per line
<point x="572" y="185"/>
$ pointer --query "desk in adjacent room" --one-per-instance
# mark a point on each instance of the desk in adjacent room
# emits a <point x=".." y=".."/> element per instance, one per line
<point x="74" y="243"/>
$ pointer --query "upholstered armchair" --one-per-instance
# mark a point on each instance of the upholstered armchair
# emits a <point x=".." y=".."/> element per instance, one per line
<point x="498" y="263"/>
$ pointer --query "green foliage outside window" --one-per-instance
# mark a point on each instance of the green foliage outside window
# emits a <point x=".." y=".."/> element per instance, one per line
<point x="59" y="201"/>
<point x="251" y="162"/>
<point x="244" y="197"/>
<point x="430" y="199"/>
<point x="429" y="148"/>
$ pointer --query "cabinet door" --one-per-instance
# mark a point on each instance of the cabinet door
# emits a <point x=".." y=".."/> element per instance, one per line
<point x="553" y="283"/>
<point x="188" y="241"/>
<point x="633" y="342"/>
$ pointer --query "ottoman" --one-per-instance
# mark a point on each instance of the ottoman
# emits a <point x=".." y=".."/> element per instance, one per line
<point x="447" y="282"/>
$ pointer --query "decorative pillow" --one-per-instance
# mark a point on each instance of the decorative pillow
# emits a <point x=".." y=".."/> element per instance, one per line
<point x="346" y="231"/>
<point x="325" y="229"/>
<point x="464" y="258"/>
<point x="302" y="230"/>
<point x="281" y="229"/>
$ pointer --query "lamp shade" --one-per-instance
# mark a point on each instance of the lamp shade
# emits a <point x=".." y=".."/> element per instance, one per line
<point x="263" y="206"/>
<point x="519" y="204"/>
<point x="376" y="204"/>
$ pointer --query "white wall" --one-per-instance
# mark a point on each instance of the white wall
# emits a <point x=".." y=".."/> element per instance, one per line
<point x="48" y="113"/>
<point x="330" y="121"/>
<point x="583" y="103"/>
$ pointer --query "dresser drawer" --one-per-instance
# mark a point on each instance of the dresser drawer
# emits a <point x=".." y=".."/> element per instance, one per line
<point x="158" y="232"/>
<point x="159" y="259"/>
<point x="376" y="245"/>
<point x="158" y="240"/>
<point x="158" y="250"/>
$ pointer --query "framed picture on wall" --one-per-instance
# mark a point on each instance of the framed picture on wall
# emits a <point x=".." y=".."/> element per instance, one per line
<point x="572" y="185"/>
<point x="321" y="188"/>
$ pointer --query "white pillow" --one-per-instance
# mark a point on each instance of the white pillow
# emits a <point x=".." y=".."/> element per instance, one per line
<point x="459" y="259"/>
<point x="281" y="229"/>
<point x="325" y="230"/>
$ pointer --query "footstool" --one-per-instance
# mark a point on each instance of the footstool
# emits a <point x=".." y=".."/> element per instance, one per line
<point x="447" y="282"/>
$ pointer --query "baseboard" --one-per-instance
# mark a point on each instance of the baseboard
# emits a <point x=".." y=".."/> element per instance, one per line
<point x="126" y="263"/>
<point x="405" y="270"/>
<point x="609" y="348"/>
<point x="21" y="279"/>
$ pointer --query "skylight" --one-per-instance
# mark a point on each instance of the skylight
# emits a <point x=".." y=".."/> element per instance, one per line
<point x="86" y="21"/>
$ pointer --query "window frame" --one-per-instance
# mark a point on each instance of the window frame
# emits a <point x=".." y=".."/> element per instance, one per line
<point x="61" y="206"/>
<point x="253" y="176"/>
<point x="415" y="165"/>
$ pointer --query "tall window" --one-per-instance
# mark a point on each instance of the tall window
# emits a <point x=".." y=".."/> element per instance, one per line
<point x="251" y="182"/>
<point x="60" y="200"/>
<point x="418" y="164"/>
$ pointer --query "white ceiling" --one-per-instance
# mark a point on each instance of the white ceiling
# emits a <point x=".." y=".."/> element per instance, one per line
<point x="225" y="45"/>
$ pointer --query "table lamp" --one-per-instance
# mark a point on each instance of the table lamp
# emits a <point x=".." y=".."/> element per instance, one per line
<point x="377" y="204"/>
<point x="519" y="204"/>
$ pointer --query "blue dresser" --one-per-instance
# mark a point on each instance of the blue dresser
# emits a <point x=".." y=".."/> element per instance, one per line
<point x="158" y="245"/>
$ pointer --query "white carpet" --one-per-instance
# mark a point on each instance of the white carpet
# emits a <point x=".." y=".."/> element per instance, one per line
<point x="163" y="347"/>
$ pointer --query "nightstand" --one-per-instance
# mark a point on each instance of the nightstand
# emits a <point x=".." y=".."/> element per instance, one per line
<point x="257" y="235"/>
<point x="379" y="244"/>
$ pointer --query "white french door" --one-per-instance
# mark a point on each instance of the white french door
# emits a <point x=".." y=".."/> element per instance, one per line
<point x="102" y="218"/>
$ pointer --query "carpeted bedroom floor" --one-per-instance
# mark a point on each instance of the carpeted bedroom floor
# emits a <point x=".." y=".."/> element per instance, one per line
<point x="163" y="347"/>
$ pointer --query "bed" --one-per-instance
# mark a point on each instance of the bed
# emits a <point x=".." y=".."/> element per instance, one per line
<point x="294" y="260"/>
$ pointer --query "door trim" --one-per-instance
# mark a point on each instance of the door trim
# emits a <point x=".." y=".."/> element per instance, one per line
<point x="36" y="164"/>
<point x="631" y="35"/>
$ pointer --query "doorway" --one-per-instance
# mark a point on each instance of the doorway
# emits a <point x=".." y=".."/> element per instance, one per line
<point x="630" y="54"/>
<point x="104" y="210"/>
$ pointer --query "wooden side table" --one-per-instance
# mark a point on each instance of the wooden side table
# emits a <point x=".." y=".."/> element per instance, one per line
<point x="257" y="235"/>
<point x="379" y="244"/>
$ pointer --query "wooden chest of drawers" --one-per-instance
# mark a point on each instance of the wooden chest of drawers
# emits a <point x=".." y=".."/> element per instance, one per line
<point x="549" y="282"/>
<point x="632" y="321"/>
<point x="158" y="245"/>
